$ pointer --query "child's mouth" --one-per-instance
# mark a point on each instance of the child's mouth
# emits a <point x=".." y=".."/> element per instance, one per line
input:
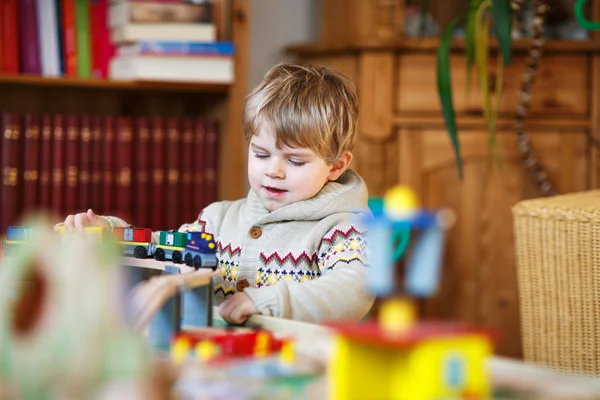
<point x="274" y="192"/>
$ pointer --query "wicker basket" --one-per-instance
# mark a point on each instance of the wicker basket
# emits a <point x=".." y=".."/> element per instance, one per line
<point x="558" y="271"/>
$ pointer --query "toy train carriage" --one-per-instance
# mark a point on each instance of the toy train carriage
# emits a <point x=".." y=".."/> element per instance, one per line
<point x="197" y="249"/>
<point x="200" y="251"/>
<point x="15" y="236"/>
<point x="135" y="242"/>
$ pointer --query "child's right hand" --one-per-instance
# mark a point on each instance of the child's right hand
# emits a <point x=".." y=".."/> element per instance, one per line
<point x="79" y="221"/>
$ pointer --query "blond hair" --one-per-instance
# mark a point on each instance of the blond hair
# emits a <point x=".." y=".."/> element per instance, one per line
<point x="306" y="106"/>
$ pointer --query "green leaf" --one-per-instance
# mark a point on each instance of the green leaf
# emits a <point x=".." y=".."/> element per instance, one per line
<point x="444" y="84"/>
<point x="502" y="15"/>
<point x="470" y="41"/>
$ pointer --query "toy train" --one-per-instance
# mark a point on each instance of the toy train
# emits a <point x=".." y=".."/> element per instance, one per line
<point x="195" y="249"/>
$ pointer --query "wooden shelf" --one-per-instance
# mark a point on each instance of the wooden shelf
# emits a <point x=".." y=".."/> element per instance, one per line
<point x="104" y="84"/>
<point x="431" y="45"/>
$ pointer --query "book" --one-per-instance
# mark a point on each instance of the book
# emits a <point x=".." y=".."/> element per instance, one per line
<point x="31" y="148"/>
<point x="201" y="32"/>
<point x="173" y="69"/>
<point x="156" y="48"/>
<point x="151" y="12"/>
<point x="49" y="38"/>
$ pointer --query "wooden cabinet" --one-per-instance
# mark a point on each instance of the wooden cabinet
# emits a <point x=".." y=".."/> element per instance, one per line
<point x="402" y="139"/>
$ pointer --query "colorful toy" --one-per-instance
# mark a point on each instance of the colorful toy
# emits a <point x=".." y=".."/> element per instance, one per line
<point x="394" y="357"/>
<point x="196" y="249"/>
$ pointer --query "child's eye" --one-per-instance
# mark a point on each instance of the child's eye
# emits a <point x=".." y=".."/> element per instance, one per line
<point x="297" y="163"/>
<point x="261" y="156"/>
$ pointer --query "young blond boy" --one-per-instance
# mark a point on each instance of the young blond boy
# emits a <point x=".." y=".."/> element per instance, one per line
<point x="294" y="247"/>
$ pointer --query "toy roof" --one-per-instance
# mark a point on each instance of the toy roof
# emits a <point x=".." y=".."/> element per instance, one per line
<point x="372" y="333"/>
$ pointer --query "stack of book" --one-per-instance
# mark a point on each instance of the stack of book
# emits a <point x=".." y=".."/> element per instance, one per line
<point x="165" y="40"/>
<point x="154" y="171"/>
<point x="168" y="40"/>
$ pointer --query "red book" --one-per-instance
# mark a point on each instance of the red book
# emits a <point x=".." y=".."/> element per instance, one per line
<point x="96" y="168"/>
<point x="210" y="160"/>
<point x="189" y="208"/>
<point x="108" y="159"/>
<point x="71" y="173"/>
<point x="143" y="202"/>
<point x="157" y="182"/>
<point x="9" y="36"/>
<point x="58" y="162"/>
<point x="102" y="49"/>
<point x="69" y="37"/>
<point x="123" y="163"/>
<point x="172" y="171"/>
<point x="85" y="164"/>
<point x="29" y="38"/>
<point x="45" y="188"/>
<point x="11" y="167"/>
<point x="199" y="140"/>
<point x="31" y="148"/>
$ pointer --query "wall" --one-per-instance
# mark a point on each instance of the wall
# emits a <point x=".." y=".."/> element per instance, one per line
<point x="275" y="25"/>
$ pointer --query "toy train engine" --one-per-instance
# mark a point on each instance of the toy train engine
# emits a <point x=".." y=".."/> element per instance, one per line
<point x="171" y="246"/>
<point x="200" y="251"/>
<point x="135" y="242"/>
<point x="15" y="236"/>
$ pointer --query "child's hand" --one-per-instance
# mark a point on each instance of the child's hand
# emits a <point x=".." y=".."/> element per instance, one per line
<point x="78" y="221"/>
<point x="237" y="308"/>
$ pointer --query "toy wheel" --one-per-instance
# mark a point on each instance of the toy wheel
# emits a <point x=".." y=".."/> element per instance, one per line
<point x="140" y="252"/>
<point x="176" y="257"/>
<point x="188" y="259"/>
<point x="197" y="262"/>
<point x="160" y="255"/>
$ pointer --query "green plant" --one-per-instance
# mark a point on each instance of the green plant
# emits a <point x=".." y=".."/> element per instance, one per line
<point x="479" y="17"/>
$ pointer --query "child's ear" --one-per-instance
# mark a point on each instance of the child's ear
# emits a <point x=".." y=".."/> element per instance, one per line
<point x="340" y="165"/>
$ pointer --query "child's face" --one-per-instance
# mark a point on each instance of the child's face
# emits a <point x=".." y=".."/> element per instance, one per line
<point x="283" y="176"/>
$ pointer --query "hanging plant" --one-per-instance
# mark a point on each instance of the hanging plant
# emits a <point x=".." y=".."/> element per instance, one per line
<point x="480" y="16"/>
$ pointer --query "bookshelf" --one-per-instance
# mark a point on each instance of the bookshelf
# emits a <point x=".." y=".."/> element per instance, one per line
<point x="44" y="95"/>
<point x="403" y="139"/>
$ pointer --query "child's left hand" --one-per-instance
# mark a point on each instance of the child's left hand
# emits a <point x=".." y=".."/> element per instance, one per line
<point x="237" y="308"/>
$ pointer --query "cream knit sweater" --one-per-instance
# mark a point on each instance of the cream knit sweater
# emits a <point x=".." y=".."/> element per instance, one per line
<point x="306" y="261"/>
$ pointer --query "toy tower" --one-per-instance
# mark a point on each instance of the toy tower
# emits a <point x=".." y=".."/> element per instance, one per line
<point x="395" y="356"/>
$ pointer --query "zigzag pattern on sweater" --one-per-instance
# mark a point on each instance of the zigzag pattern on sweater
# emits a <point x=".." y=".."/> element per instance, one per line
<point x="228" y="249"/>
<point x="339" y="232"/>
<point x="221" y="290"/>
<point x="289" y="257"/>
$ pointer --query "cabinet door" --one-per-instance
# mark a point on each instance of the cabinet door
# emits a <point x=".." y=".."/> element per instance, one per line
<point x="479" y="275"/>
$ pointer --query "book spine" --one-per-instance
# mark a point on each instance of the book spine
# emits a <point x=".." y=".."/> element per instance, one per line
<point x="85" y="164"/>
<point x="142" y="168"/>
<point x="30" y="44"/>
<point x="71" y="172"/>
<point x="123" y="161"/>
<point x="11" y="167"/>
<point x="69" y="38"/>
<point x="157" y="136"/>
<point x="31" y="147"/>
<point x="200" y="198"/>
<point x="172" y="171"/>
<point x="210" y="159"/>
<point x="58" y="161"/>
<point x="108" y="161"/>
<point x="45" y="198"/>
<point x="97" y="164"/>
<point x="9" y="32"/>
<point x="188" y="207"/>
<point x="82" y="29"/>
<point x="48" y="37"/>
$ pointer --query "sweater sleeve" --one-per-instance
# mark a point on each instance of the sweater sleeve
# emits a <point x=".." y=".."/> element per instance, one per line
<point x="338" y="294"/>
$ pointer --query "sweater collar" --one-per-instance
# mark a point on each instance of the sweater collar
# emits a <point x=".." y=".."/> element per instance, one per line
<point x="347" y="194"/>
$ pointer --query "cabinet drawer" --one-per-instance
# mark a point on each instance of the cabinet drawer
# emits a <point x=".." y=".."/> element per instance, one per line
<point x="561" y="87"/>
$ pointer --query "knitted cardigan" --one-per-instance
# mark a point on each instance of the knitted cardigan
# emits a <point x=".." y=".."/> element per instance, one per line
<point x="306" y="261"/>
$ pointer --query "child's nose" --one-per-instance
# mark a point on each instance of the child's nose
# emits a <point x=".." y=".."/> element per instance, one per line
<point x="275" y="169"/>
